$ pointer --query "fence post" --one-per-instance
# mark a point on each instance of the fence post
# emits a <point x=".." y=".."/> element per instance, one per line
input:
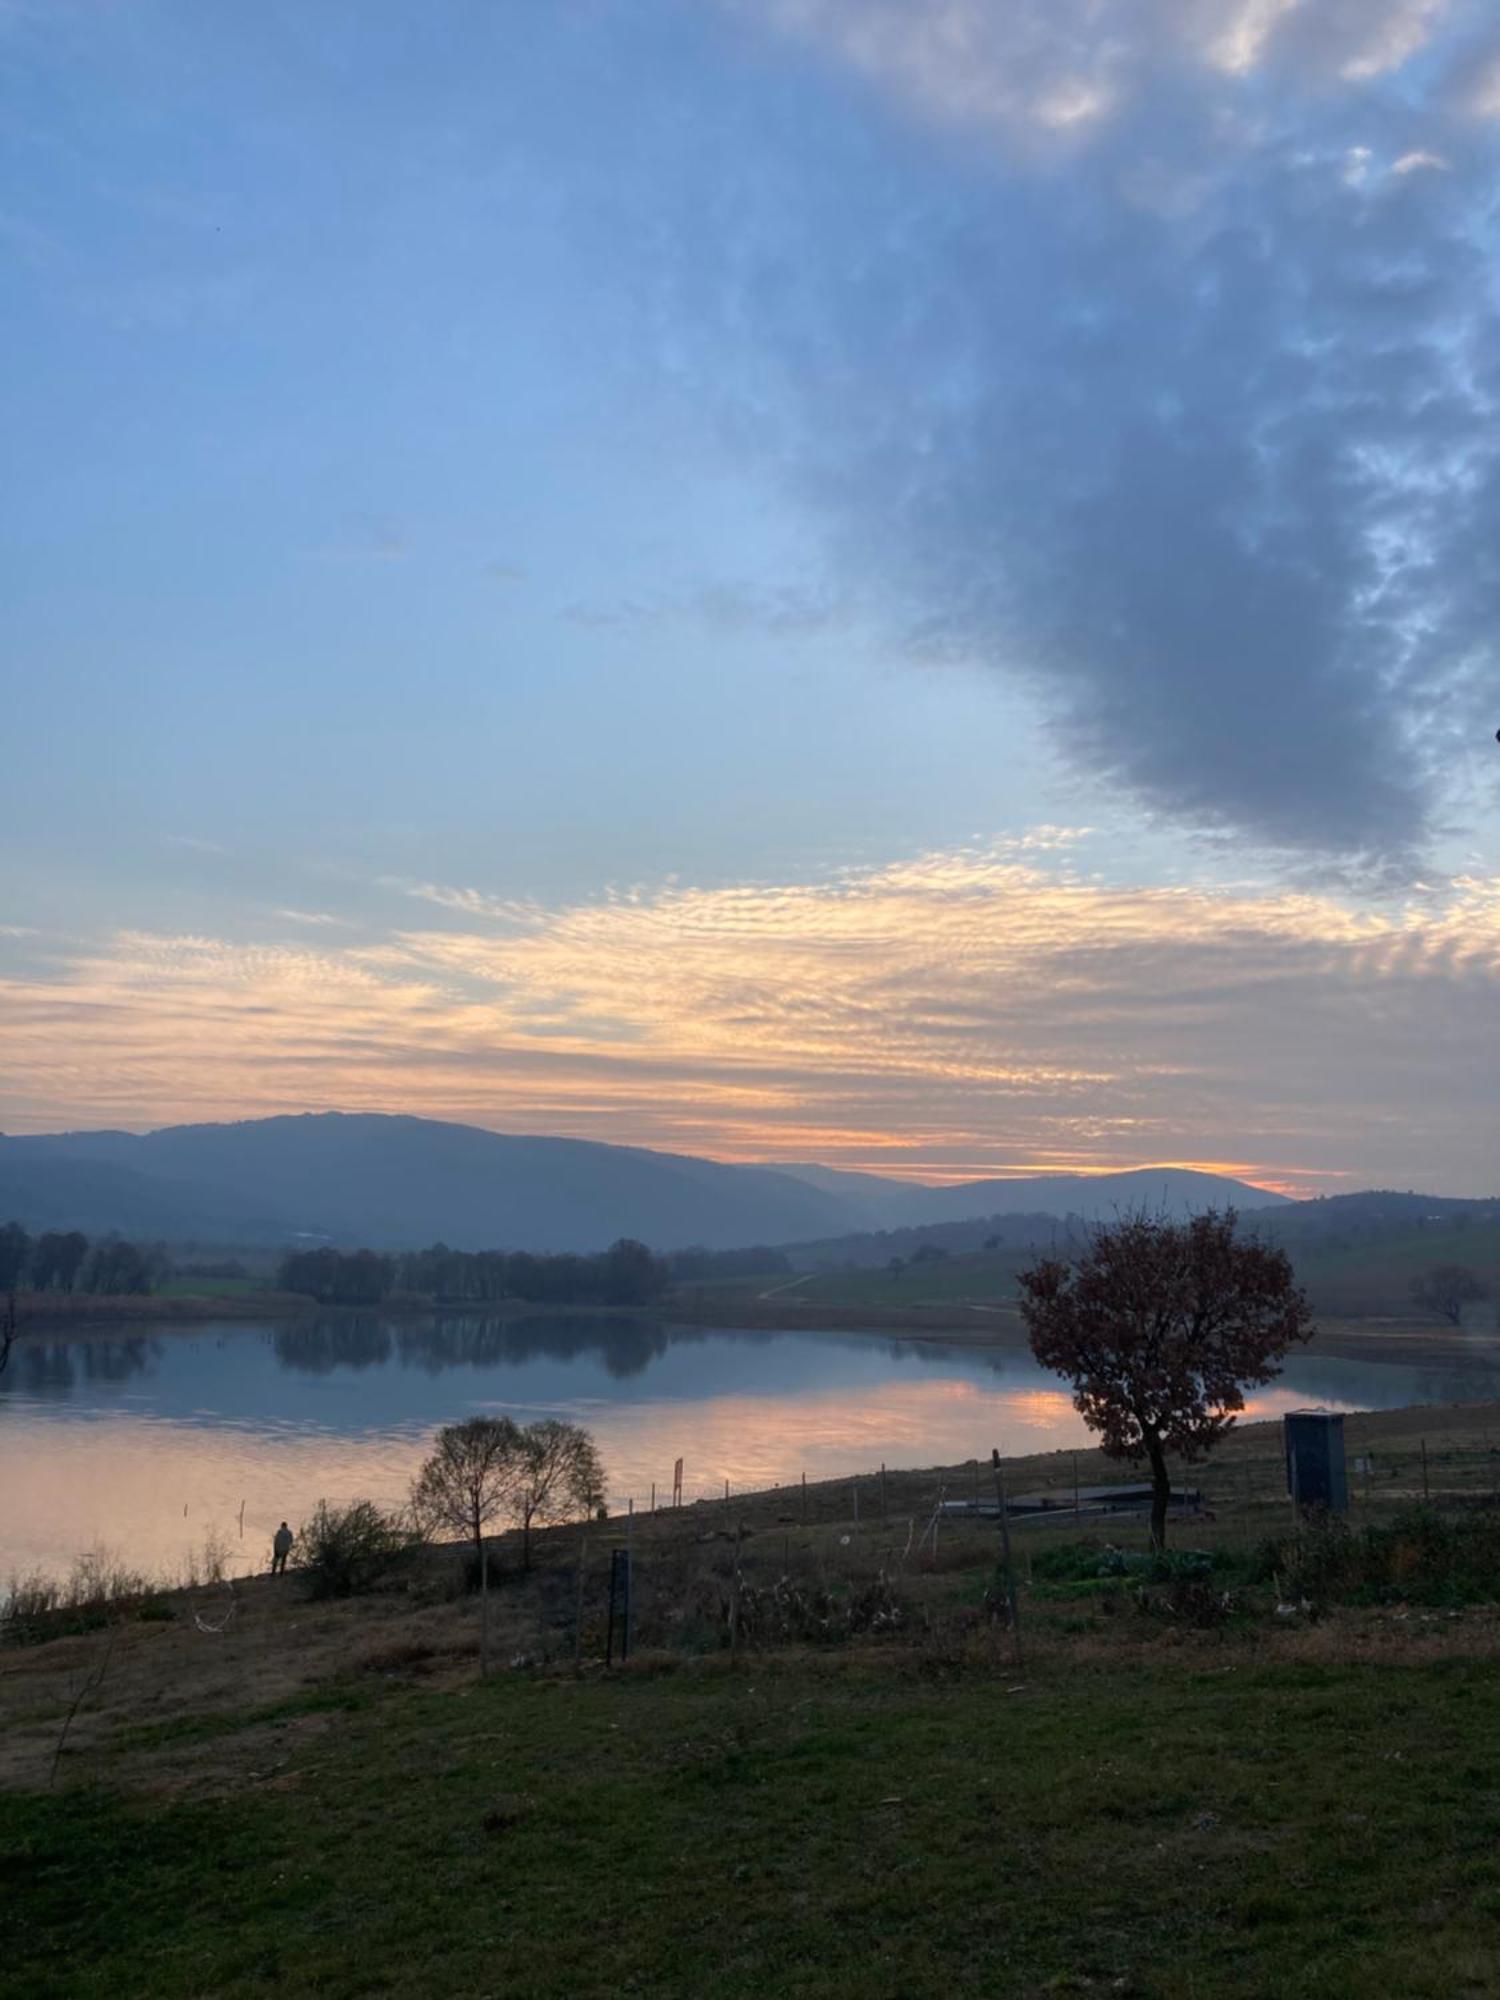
<point x="619" y="1595"/>
<point x="1013" y="1602"/>
<point x="484" y="1607"/>
<point x="883" y="1515"/>
<point x="583" y="1549"/>
<point x="1426" y="1491"/>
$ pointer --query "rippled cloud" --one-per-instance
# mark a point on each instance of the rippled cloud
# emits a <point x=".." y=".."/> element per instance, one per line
<point x="1145" y="355"/>
<point x="954" y="1014"/>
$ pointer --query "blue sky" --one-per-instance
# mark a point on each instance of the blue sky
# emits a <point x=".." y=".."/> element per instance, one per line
<point x="488" y="476"/>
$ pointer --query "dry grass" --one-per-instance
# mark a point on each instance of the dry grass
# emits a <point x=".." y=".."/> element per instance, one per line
<point x="259" y="1647"/>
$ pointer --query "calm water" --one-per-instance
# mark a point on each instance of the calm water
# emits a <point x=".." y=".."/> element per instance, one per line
<point x="144" y="1443"/>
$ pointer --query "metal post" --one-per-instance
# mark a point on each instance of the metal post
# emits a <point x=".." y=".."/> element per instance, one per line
<point x="619" y="1598"/>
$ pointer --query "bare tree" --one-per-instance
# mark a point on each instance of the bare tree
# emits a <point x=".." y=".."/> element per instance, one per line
<point x="466" y="1483"/>
<point x="468" y="1480"/>
<point x="1161" y="1326"/>
<point x="558" y="1475"/>
<point x="1447" y="1289"/>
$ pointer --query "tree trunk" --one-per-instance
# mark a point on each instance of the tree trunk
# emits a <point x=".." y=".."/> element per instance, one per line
<point x="1161" y="1491"/>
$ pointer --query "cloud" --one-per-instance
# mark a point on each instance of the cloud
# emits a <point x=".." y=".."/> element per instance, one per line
<point x="725" y="607"/>
<point x="367" y="537"/>
<point x="1171" y="399"/>
<point x="1028" y="72"/>
<point x="955" y="1013"/>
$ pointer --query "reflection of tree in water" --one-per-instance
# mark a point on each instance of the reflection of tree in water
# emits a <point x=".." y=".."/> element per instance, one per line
<point x="54" y="1367"/>
<point x="1385" y="1385"/>
<point x="627" y="1345"/>
<point x="327" y="1344"/>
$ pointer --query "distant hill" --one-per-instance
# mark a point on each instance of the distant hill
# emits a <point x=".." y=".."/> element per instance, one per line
<point x="1175" y="1191"/>
<point x="396" y="1182"/>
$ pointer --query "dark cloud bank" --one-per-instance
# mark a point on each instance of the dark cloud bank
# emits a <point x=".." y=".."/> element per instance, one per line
<point x="1181" y="412"/>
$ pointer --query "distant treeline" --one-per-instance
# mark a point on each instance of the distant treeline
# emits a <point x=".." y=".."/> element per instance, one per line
<point x="66" y="1261"/>
<point x="627" y="1274"/>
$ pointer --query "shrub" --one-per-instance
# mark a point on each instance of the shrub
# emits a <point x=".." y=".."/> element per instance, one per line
<point x="99" y="1590"/>
<point x="1420" y="1557"/>
<point x="787" y="1612"/>
<point x="343" y="1551"/>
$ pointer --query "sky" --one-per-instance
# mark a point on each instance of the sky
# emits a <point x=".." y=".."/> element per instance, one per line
<point x="904" y="583"/>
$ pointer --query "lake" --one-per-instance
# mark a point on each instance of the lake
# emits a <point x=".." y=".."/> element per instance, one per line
<point x="145" y="1441"/>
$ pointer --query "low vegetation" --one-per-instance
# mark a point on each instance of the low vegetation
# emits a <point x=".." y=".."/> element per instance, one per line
<point x="1264" y="1763"/>
<point x="342" y="1551"/>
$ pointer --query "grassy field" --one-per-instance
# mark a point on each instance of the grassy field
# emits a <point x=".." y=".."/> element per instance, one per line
<point x="1208" y="1824"/>
<point x="328" y="1799"/>
<point x="1354" y="1280"/>
<point x="213" y="1288"/>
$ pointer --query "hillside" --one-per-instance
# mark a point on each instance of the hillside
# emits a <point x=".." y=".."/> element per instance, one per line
<point x="397" y="1182"/>
<point x="1176" y="1191"/>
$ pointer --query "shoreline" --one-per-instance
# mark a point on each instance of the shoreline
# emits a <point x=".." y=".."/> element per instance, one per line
<point x="1411" y="1343"/>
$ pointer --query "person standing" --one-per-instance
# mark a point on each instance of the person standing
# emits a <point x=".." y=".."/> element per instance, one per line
<point x="281" y="1548"/>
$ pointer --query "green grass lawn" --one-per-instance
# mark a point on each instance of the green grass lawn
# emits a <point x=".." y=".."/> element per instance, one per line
<point x="1178" y="1827"/>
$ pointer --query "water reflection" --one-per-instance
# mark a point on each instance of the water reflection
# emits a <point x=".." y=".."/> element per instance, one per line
<point x="147" y="1442"/>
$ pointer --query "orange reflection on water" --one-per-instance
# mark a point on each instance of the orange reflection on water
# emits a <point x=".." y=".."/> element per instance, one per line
<point x="152" y="1489"/>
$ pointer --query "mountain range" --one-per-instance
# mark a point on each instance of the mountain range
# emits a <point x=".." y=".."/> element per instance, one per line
<point x="398" y="1182"/>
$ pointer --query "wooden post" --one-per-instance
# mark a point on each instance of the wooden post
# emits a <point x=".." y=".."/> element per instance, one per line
<point x="882" y="1494"/>
<point x="653" y="1496"/>
<point x="484" y="1608"/>
<point x="854" y="1496"/>
<point x="734" y="1594"/>
<point x="1426" y="1492"/>
<point x="1013" y="1602"/>
<point x="804" y="1499"/>
<point x="583" y="1547"/>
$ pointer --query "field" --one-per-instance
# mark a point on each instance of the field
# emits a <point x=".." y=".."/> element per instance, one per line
<point x="1350" y="1280"/>
<point x="327" y="1798"/>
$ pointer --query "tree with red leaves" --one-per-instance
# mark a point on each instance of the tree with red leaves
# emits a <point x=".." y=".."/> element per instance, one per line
<point x="1161" y="1326"/>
